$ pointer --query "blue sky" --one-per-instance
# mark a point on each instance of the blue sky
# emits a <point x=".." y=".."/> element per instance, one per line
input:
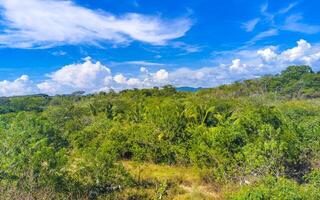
<point x="59" y="46"/>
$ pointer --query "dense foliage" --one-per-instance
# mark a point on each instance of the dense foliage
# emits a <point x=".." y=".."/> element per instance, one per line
<point x="263" y="134"/>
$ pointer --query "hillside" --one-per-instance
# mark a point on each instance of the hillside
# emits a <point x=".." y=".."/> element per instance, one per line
<point x="294" y="82"/>
<point x="254" y="139"/>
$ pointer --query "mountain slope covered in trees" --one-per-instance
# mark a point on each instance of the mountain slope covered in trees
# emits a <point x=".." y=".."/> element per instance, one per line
<point x="255" y="139"/>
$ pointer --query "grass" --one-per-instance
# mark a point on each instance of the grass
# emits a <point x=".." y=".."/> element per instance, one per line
<point x="185" y="182"/>
<point x="162" y="172"/>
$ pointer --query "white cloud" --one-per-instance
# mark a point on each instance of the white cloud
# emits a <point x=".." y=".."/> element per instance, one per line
<point x="145" y="79"/>
<point x="288" y="8"/>
<point x="274" y="24"/>
<point x="297" y="52"/>
<point x="263" y="35"/>
<point x="144" y="70"/>
<point x="250" y="25"/>
<point x="304" y="53"/>
<point x="209" y="76"/>
<point x="87" y="76"/>
<point x="267" y="54"/>
<point x="161" y="75"/>
<point x="264" y="7"/>
<point x="20" y="86"/>
<point x="134" y="82"/>
<point x="59" y="53"/>
<point x="237" y="66"/>
<point x="268" y="17"/>
<point x="94" y="76"/>
<point x="293" y="23"/>
<point x="47" y="23"/>
<point x="186" y="47"/>
<point x="253" y="63"/>
<point x="313" y="58"/>
<point x="140" y="62"/>
<point x="120" y="79"/>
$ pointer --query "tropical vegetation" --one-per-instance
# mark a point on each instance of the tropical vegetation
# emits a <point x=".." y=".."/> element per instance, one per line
<point x="253" y="139"/>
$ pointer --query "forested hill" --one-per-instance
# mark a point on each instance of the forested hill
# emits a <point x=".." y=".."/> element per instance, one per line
<point x="294" y="82"/>
<point x="256" y="139"/>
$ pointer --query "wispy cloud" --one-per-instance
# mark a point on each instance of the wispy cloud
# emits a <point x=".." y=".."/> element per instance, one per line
<point x="250" y="25"/>
<point x="288" y="8"/>
<point x="47" y="23"/>
<point x="267" y="16"/>
<point x="136" y="3"/>
<point x="263" y="35"/>
<point x="294" y="23"/>
<point x="59" y="53"/>
<point x="139" y="62"/>
<point x="264" y="7"/>
<point x="273" y="26"/>
<point x="187" y="48"/>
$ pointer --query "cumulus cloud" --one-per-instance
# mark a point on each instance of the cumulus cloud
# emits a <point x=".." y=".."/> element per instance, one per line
<point x="161" y="75"/>
<point x="20" y="86"/>
<point x="145" y="79"/>
<point x="303" y="53"/>
<point x="94" y="76"/>
<point x="144" y="70"/>
<point x="47" y="23"/>
<point x="296" y="52"/>
<point x="120" y="79"/>
<point x="267" y="54"/>
<point x="87" y="76"/>
<point x="312" y="58"/>
<point x="247" y="65"/>
<point x="237" y="66"/>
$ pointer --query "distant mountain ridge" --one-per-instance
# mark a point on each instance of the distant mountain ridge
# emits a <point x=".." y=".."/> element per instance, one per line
<point x="188" y="89"/>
